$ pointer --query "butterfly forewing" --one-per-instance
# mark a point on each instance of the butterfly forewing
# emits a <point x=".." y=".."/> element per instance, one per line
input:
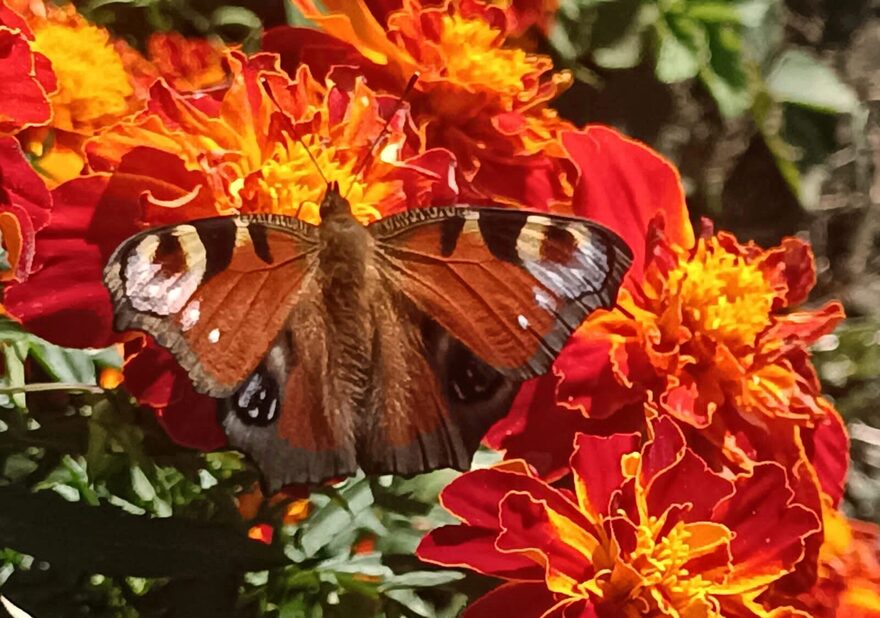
<point x="510" y="285"/>
<point x="215" y="292"/>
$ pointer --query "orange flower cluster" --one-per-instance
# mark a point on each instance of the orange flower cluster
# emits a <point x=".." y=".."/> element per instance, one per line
<point x="678" y="460"/>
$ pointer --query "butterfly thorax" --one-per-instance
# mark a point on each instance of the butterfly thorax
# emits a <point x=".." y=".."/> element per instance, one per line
<point x="345" y="288"/>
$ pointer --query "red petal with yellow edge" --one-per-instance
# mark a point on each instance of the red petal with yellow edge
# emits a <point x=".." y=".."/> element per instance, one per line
<point x="770" y="529"/>
<point x="623" y="184"/>
<point x="791" y="263"/>
<point x="522" y="600"/>
<point x="541" y="431"/>
<point x="474" y="548"/>
<point x="323" y="54"/>
<point x="474" y="497"/>
<point x="154" y="378"/>
<point x="25" y="206"/>
<point x="828" y="451"/>
<point x="23" y="98"/>
<point x="690" y="482"/>
<point x="596" y="467"/>
<point x="587" y="383"/>
<point x="90" y="217"/>
<point x="665" y="448"/>
<point x="563" y="545"/>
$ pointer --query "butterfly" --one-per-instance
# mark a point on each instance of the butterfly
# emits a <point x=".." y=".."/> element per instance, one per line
<point x="391" y="347"/>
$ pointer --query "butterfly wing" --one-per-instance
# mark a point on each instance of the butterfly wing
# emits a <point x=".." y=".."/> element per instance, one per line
<point x="282" y="414"/>
<point x="432" y="399"/>
<point x="215" y="292"/>
<point x="508" y="284"/>
<point x="473" y="302"/>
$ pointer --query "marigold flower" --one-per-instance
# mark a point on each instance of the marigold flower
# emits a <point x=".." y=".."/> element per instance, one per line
<point x="704" y="328"/>
<point x="646" y="532"/>
<point x="482" y="100"/>
<point x="192" y="156"/>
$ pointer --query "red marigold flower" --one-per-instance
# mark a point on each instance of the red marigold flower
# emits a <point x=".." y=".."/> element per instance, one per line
<point x="193" y="156"/>
<point x="703" y="327"/>
<point x="484" y="101"/>
<point x="650" y="531"/>
<point x="83" y="101"/>
<point x="26" y="78"/>
<point x="25" y="205"/>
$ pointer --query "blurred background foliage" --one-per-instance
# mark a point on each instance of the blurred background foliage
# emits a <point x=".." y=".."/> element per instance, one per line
<point x="768" y="107"/>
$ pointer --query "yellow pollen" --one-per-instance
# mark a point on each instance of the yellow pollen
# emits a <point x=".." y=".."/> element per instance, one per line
<point x="473" y="56"/>
<point x="660" y="563"/>
<point x="723" y="297"/>
<point x="290" y="185"/>
<point x="93" y="87"/>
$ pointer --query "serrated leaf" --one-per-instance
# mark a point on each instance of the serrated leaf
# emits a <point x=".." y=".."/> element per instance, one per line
<point x="799" y="78"/>
<point x="14" y="374"/>
<point x="64" y="365"/>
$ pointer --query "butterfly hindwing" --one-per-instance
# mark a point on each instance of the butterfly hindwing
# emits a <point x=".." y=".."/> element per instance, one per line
<point x="432" y="399"/>
<point x="281" y="415"/>
<point x="215" y="292"/>
<point x="510" y="285"/>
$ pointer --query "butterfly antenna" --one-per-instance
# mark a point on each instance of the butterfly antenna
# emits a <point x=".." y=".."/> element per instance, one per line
<point x="290" y="127"/>
<point x="363" y="162"/>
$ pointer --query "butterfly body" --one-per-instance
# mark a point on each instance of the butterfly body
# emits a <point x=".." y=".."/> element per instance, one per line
<point x="391" y="347"/>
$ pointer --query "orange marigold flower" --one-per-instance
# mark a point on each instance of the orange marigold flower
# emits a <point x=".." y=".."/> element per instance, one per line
<point x="646" y="532"/>
<point x="251" y="152"/>
<point x="85" y="99"/>
<point x="476" y="96"/>
<point x="708" y="332"/>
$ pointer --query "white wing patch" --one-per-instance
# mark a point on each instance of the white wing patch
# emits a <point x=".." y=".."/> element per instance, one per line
<point x="150" y="288"/>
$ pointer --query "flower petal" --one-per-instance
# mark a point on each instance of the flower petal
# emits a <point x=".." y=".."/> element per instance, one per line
<point x="154" y="378"/>
<point x="597" y="469"/>
<point x="523" y="600"/>
<point x="474" y="548"/>
<point x="623" y="184"/>
<point x="770" y="529"/>
<point x="90" y="217"/>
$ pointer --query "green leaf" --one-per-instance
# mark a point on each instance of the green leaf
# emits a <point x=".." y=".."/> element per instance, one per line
<point x="235" y="16"/>
<point x="800" y="79"/>
<point x="421" y="579"/>
<point x="333" y="517"/>
<point x="679" y="55"/>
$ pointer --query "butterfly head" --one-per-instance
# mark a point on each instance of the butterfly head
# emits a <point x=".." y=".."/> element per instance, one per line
<point x="334" y="204"/>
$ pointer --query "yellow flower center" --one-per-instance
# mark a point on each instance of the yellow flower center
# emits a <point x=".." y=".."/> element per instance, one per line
<point x="93" y="87"/>
<point x="472" y="56"/>
<point x="722" y="296"/>
<point x="290" y="185"/>
<point x="660" y="562"/>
